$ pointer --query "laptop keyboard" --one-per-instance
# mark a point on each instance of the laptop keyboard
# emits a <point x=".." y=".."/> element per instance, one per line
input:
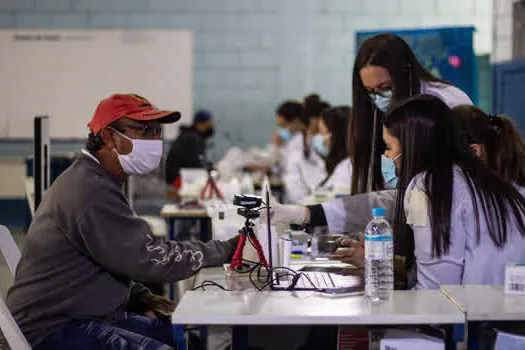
<point x="320" y="280"/>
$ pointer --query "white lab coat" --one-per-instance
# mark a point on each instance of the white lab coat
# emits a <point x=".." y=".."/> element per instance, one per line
<point x="302" y="175"/>
<point x="353" y="213"/>
<point x="291" y="147"/>
<point x="342" y="175"/>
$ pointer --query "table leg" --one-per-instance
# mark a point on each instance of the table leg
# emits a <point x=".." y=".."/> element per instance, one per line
<point x="473" y="335"/>
<point x="454" y="334"/>
<point x="171" y="232"/>
<point x="204" y="334"/>
<point x="239" y="338"/>
<point x="179" y="337"/>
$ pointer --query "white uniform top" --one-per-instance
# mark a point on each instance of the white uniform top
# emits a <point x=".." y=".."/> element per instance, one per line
<point x="467" y="261"/>
<point x="302" y="175"/>
<point x="342" y="175"/>
<point x="289" y="148"/>
<point x="334" y="210"/>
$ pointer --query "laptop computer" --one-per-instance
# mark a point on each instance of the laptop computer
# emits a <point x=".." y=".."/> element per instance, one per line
<point x="310" y="277"/>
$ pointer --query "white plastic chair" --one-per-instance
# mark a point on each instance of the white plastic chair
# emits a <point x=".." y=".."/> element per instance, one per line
<point x="12" y="333"/>
<point x="29" y="185"/>
<point x="9" y="249"/>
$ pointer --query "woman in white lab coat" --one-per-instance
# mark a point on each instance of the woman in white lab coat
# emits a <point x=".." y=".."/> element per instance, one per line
<point x="331" y="144"/>
<point x="288" y="137"/>
<point x="305" y="169"/>
<point x="385" y="70"/>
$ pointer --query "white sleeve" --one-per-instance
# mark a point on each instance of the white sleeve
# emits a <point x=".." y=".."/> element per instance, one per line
<point x="353" y="213"/>
<point x="334" y="211"/>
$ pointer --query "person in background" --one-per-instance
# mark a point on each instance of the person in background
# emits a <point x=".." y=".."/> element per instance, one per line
<point x="189" y="149"/>
<point x="289" y="134"/>
<point x="305" y="169"/>
<point x="331" y="144"/>
<point x="85" y="245"/>
<point x="493" y="138"/>
<point x="313" y="107"/>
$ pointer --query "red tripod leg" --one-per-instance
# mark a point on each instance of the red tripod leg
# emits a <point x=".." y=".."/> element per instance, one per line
<point x="217" y="190"/>
<point x="237" y="256"/>
<point x="259" y="250"/>
<point x="203" y="192"/>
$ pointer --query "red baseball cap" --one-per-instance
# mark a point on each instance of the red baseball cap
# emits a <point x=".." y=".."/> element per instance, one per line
<point x="130" y="106"/>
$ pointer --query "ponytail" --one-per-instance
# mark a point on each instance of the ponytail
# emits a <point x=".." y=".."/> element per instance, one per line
<point x="510" y="150"/>
<point x="503" y="147"/>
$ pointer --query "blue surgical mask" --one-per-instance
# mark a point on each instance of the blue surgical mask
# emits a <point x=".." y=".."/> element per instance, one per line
<point x="284" y="134"/>
<point x="382" y="101"/>
<point x="388" y="169"/>
<point x="318" y="142"/>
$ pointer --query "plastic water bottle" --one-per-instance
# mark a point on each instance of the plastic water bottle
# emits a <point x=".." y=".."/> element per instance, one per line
<point x="379" y="257"/>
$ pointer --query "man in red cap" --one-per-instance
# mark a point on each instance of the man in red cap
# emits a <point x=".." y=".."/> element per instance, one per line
<point x="85" y="246"/>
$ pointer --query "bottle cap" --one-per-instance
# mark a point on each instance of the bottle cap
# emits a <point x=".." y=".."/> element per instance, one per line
<point x="378" y="212"/>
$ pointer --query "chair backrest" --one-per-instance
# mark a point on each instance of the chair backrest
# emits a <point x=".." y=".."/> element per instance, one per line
<point x="12" y="333"/>
<point x="9" y="249"/>
<point x="29" y="186"/>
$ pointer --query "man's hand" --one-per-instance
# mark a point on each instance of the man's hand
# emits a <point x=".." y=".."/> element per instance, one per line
<point x="353" y="252"/>
<point x="160" y="306"/>
<point x="173" y="195"/>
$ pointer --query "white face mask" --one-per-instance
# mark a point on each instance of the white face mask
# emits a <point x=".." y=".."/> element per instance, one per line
<point x="144" y="157"/>
<point x="382" y="101"/>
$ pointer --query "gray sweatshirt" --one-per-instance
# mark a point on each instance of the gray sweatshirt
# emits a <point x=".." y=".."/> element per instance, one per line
<point x="84" y="247"/>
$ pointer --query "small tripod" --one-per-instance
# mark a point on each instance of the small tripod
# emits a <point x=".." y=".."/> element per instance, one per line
<point x="247" y="233"/>
<point x="211" y="188"/>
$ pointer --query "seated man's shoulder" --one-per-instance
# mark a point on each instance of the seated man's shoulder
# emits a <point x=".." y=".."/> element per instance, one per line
<point x="84" y="182"/>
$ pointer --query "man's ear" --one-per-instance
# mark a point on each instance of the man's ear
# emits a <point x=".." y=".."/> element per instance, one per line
<point x="107" y="137"/>
<point x="477" y="149"/>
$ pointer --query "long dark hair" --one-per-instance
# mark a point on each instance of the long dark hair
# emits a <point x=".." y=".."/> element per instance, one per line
<point x="392" y="53"/>
<point x="503" y="147"/>
<point x="432" y="143"/>
<point x="336" y="120"/>
<point x="313" y="106"/>
<point x="290" y="110"/>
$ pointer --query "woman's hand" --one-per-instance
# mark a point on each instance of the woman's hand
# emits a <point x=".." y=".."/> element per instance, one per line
<point x="276" y="139"/>
<point x="353" y="252"/>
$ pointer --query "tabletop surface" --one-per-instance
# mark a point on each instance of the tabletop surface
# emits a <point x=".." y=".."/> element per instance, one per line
<point x="173" y="211"/>
<point x="485" y="302"/>
<point x="247" y="306"/>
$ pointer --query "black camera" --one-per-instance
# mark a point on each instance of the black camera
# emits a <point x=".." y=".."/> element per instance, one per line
<point x="250" y="205"/>
<point x="246" y="201"/>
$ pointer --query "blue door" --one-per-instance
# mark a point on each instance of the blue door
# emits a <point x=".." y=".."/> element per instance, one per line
<point x="508" y="91"/>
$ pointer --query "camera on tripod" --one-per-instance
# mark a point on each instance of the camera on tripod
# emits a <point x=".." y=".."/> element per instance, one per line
<point x="250" y="205"/>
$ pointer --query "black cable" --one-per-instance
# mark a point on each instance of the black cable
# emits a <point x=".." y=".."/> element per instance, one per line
<point x="208" y="283"/>
<point x="296" y="275"/>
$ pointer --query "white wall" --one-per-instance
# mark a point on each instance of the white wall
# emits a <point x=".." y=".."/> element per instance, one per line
<point x="250" y="54"/>
<point x="502" y="37"/>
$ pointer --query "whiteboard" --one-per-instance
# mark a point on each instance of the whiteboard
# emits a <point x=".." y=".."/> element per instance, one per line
<point x="65" y="74"/>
